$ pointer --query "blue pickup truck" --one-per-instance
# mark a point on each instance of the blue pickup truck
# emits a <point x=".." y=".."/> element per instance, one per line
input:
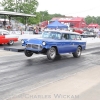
<point x="53" y="43"/>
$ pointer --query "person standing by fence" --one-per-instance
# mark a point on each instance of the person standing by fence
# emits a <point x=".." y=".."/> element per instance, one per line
<point x="96" y="30"/>
<point x="99" y="33"/>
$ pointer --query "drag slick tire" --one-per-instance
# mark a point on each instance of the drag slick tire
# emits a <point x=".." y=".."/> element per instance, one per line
<point x="11" y="42"/>
<point x="51" y="53"/>
<point x="77" y="54"/>
<point x="28" y="53"/>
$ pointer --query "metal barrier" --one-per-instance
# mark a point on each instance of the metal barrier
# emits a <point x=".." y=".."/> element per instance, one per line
<point x="21" y="32"/>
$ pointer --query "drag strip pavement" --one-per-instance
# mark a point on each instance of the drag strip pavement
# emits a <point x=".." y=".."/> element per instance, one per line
<point x="19" y="74"/>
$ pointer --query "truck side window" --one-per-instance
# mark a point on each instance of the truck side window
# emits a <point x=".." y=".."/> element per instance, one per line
<point x="72" y="36"/>
<point x="65" y="36"/>
<point x="78" y="37"/>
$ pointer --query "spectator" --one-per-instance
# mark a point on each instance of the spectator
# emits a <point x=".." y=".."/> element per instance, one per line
<point x="36" y="30"/>
<point x="0" y="24"/>
<point x="39" y="29"/>
<point x="96" y="30"/>
<point x="4" y="24"/>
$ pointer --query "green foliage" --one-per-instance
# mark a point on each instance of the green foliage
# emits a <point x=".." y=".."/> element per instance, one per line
<point x="98" y="19"/>
<point x="44" y="15"/>
<point x="9" y="5"/>
<point x="34" y="20"/>
<point x="30" y="7"/>
<point x="92" y="19"/>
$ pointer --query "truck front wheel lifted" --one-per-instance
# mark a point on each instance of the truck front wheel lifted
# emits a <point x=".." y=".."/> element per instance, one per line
<point x="28" y="53"/>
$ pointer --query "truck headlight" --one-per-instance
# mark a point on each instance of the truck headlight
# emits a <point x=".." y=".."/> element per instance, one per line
<point x="43" y="43"/>
<point x="23" y="41"/>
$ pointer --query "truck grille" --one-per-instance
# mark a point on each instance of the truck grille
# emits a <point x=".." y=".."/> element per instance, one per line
<point x="28" y="45"/>
<point x="34" y="46"/>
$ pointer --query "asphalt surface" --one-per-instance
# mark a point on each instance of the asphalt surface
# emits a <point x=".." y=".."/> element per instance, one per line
<point x="19" y="73"/>
<point x="17" y="44"/>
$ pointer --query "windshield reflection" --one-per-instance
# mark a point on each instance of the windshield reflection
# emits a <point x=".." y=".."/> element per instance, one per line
<point x="52" y="35"/>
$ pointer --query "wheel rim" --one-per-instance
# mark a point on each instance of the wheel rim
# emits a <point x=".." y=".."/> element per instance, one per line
<point x="52" y="53"/>
<point x="11" y="42"/>
<point x="78" y="52"/>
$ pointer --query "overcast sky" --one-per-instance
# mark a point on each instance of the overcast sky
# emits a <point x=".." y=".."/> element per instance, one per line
<point x="79" y="8"/>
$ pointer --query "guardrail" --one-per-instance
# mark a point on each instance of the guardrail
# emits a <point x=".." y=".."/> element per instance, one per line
<point x="87" y="35"/>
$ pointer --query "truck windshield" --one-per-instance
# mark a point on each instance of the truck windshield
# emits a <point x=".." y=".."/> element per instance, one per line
<point x="52" y="35"/>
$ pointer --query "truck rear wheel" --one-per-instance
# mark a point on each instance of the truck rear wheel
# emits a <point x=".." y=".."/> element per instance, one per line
<point x="28" y="53"/>
<point x="77" y="54"/>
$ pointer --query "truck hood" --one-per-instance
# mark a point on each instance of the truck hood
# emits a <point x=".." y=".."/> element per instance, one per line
<point x="40" y="40"/>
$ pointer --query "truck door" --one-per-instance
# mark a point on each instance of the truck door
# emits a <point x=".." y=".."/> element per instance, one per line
<point x="74" y="42"/>
<point x="66" y="43"/>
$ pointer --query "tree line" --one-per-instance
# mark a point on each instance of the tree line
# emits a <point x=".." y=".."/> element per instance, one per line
<point x="30" y="7"/>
